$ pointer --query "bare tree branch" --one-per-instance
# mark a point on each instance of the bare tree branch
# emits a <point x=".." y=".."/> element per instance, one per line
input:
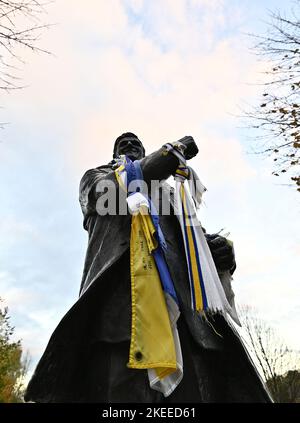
<point x="275" y="360"/>
<point x="19" y="26"/>
<point x="277" y="117"/>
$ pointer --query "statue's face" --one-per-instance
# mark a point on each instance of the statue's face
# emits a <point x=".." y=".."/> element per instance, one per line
<point x="131" y="147"/>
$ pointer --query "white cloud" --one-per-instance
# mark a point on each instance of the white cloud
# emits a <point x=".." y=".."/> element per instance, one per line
<point x="136" y="5"/>
<point x="173" y="71"/>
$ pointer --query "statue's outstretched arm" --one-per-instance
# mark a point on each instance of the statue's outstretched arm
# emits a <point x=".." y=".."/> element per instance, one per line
<point x="160" y="165"/>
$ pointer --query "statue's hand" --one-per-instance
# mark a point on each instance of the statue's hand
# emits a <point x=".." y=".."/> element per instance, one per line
<point x="222" y="251"/>
<point x="191" y="147"/>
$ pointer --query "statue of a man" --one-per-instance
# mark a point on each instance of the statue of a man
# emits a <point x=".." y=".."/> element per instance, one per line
<point x="87" y="355"/>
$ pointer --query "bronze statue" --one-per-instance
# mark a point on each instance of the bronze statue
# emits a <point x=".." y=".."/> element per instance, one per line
<point x="86" y="357"/>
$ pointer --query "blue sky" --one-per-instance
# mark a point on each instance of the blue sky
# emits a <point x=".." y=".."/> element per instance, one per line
<point x="162" y="69"/>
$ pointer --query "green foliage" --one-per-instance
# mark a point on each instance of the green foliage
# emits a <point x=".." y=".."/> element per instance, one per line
<point x="12" y="368"/>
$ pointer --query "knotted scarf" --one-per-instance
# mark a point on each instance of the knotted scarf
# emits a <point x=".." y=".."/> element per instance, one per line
<point x="155" y="343"/>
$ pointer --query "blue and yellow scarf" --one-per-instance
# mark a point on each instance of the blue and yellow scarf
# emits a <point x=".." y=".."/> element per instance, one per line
<point x="155" y="343"/>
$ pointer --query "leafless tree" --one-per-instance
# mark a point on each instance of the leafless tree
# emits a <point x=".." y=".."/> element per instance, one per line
<point x="20" y="26"/>
<point x="288" y="386"/>
<point x="277" y="363"/>
<point x="277" y="117"/>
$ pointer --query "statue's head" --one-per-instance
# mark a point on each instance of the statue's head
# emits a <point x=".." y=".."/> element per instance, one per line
<point x="129" y="144"/>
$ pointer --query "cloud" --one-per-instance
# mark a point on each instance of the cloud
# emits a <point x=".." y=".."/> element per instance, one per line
<point x="108" y="78"/>
<point x="162" y="70"/>
<point x="13" y="230"/>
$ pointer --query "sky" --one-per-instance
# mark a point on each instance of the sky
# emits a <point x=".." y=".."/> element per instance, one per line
<point x="161" y="69"/>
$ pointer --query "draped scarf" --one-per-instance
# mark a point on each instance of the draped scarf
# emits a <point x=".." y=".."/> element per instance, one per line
<point x="155" y="343"/>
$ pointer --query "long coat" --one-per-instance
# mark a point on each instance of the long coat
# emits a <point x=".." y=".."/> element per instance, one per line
<point x="101" y="317"/>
